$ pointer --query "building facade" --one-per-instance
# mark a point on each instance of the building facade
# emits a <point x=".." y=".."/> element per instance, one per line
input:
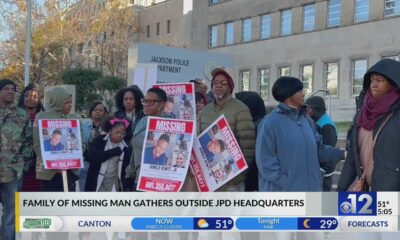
<point x="328" y="44"/>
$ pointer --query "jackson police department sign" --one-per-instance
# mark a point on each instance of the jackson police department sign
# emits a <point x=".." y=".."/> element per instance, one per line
<point x="175" y="64"/>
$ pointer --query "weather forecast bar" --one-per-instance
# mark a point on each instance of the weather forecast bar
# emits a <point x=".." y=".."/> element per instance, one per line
<point x="141" y="212"/>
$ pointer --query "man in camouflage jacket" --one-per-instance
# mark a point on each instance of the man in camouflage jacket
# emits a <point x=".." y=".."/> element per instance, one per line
<point x="15" y="153"/>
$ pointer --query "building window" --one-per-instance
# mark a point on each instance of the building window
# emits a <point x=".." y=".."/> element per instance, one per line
<point x="284" y="71"/>
<point x="334" y="13"/>
<point x="264" y="83"/>
<point x="394" y="57"/>
<point x="213" y="36"/>
<point x="265" y="27"/>
<point x="361" y="11"/>
<point x="359" y="68"/>
<point x="307" y="78"/>
<point x="309" y="18"/>
<point x="286" y="22"/>
<point x="214" y="1"/>
<point x="229" y="33"/>
<point x="392" y="7"/>
<point x="158" y="29"/>
<point x="246" y="30"/>
<point x="332" y="78"/>
<point x="168" y="26"/>
<point x="244" y="80"/>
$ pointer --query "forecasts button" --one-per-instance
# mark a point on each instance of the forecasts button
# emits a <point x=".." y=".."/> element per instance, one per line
<point x="369" y="224"/>
<point x="270" y="223"/>
<point x="162" y="223"/>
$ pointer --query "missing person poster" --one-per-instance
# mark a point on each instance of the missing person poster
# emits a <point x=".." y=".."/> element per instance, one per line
<point x="166" y="154"/>
<point x="180" y="102"/>
<point x="216" y="157"/>
<point x="60" y="143"/>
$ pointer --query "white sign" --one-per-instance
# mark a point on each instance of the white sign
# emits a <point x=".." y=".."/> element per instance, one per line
<point x="145" y="76"/>
<point x="176" y="65"/>
<point x="61" y="143"/>
<point x="166" y="154"/>
<point x="181" y="102"/>
<point x="216" y="156"/>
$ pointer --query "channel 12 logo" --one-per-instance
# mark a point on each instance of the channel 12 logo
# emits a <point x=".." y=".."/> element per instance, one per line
<point x="357" y="203"/>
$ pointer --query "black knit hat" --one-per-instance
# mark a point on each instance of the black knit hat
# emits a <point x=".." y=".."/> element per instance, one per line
<point x="285" y="87"/>
<point x="4" y="82"/>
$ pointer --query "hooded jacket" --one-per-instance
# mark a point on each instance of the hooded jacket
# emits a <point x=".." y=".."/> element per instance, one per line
<point x="57" y="97"/>
<point x="386" y="171"/>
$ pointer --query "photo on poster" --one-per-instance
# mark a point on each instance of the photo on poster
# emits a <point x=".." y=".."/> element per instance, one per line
<point x="216" y="156"/>
<point x="166" y="154"/>
<point x="60" y="142"/>
<point x="181" y="102"/>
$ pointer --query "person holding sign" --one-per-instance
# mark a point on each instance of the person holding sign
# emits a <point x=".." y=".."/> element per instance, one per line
<point x="153" y="105"/>
<point x="238" y="116"/>
<point x="59" y="108"/>
<point x="108" y="156"/>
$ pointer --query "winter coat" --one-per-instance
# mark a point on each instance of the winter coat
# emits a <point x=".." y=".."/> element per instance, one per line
<point x="57" y="97"/>
<point x="97" y="155"/>
<point x="289" y="152"/>
<point x="16" y="143"/>
<point x="386" y="171"/>
<point x="240" y="121"/>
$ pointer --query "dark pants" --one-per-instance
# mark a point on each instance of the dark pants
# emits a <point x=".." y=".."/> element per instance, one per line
<point x="56" y="183"/>
<point x="7" y="199"/>
<point x="327" y="186"/>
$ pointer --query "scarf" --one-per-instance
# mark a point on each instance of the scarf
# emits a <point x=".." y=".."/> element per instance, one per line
<point x="103" y="167"/>
<point x="374" y="107"/>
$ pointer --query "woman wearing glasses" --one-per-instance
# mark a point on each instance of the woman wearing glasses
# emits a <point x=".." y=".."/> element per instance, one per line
<point x="153" y="105"/>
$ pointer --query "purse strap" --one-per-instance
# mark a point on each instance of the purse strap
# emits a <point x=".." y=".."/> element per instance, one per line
<point x="381" y="127"/>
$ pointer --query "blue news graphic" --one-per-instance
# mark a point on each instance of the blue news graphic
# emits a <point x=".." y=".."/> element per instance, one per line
<point x="266" y="223"/>
<point x="162" y="223"/>
<point x="182" y="223"/>
<point x="357" y="204"/>
<point x="317" y="223"/>
<point x="213" y="223"/>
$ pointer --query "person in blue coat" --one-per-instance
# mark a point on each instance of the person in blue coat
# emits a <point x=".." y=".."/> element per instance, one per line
<point x="288" y="148"/>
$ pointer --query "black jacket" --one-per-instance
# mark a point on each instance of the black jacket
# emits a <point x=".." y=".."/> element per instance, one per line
<point x="386" y="171"/>
<point x="97" y="155"/>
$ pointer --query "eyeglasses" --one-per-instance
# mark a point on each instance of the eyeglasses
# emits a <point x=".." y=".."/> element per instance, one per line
<point x="149" y="102"/>
<point x="31" y="96"/>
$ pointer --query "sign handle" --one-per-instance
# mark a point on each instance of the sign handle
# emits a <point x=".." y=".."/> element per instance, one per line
<point x="65" y="180"/>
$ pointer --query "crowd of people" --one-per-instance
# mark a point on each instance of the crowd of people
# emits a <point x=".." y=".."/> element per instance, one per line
<point x="290" y="149"/>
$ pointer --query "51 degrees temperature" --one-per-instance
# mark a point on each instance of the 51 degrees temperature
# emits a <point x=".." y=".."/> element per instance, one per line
<point x="383" y="204"/>
<point x="223" y="223"/>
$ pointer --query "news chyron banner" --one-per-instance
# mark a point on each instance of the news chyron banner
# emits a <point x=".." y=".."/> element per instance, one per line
<point x="207" y="211"/>
<point x="60" y="143"/>
<point x="166" y="154"/>
<point x="216" y="156"/>
<point x="181" y="102"/>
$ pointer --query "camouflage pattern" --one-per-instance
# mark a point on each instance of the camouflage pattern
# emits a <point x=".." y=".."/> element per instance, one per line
<point x="15" y="143"/>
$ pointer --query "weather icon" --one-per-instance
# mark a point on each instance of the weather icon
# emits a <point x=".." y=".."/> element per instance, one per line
<point x="202" y="223"/>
